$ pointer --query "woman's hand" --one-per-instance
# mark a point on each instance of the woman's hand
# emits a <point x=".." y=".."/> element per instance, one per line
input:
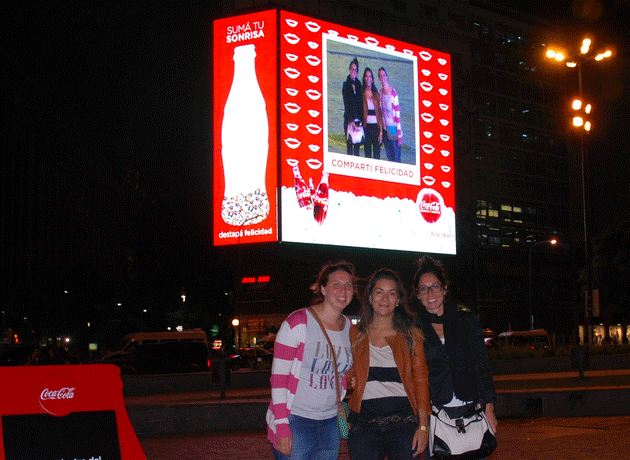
<point x="380" y="137"/>
<point x="420" y="440"/>
<point x="400" y="141"/>
<point x="492" y="419"/>
<point x="285" y="445"/>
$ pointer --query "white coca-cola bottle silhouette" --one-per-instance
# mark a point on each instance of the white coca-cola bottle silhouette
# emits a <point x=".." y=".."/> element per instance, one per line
<point x="245" y="144"/>
<point x="320" y="200"/>
<point x="302" y="191"/>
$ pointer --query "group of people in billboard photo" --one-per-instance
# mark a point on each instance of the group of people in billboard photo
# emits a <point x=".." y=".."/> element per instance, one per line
<point x="408" y="358"/>
<point x="371" y="116"/>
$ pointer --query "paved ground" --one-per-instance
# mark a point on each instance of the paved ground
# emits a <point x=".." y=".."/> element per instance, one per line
<point x="586" y="438"/>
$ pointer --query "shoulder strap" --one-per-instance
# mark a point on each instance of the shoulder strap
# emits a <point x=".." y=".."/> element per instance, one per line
<point x="332" y="350"/>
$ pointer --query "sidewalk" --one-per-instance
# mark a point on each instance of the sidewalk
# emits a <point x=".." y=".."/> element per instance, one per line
<point x="558" y="394"/>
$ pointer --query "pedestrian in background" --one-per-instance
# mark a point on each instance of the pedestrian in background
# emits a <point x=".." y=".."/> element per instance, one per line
<point x="302" y="416"/>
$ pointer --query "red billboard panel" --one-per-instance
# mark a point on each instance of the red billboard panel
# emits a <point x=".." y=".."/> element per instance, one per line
<point x="365" y="168"/>
<point x="364" y="136"/>
<point x="245" y="134"/>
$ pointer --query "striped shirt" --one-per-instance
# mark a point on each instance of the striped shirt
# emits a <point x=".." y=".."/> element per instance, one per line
<point x="384" y="392"/>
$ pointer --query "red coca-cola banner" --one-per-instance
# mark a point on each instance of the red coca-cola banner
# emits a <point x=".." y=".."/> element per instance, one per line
<point x="61" y="412"/>
<point x="357" y="168"/>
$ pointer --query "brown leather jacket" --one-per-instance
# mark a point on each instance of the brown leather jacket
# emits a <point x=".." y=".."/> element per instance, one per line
<point x="413" y="370"/>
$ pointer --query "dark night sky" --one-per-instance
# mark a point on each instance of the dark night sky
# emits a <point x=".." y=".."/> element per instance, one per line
<point x="136" y="79"/>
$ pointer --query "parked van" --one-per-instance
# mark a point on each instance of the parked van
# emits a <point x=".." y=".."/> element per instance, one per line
<point x="161" y="352"/>
<point x="536" y="338"/>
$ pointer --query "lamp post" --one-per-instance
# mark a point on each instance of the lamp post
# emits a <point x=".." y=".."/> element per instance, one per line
<point x="580" y="122"/>
<point x="530" y="318"/>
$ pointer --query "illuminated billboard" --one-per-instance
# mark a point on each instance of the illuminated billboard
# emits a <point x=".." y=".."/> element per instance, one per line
<point x="364" y="165"/>
<point x="245" y="134"/>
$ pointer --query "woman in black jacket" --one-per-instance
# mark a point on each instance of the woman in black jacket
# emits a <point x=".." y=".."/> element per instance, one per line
<point x="352" y="92"/>
<point x="459" y="368"/>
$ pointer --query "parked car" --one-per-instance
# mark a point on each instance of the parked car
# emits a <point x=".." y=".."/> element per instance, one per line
<point x="162" y="354"/>
<point x="534" y="339"/>
<point x="253" y="358"/>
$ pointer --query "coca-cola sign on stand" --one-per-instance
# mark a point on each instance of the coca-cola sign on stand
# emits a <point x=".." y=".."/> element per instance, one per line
<point x="57" y="395"/>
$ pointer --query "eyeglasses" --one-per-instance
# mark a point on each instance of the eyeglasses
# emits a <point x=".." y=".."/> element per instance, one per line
<point x="434" y="288"/>
<point x="353" y="69"/>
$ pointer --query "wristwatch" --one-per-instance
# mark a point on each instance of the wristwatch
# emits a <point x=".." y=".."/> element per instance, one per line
<point x="424" y="427"/>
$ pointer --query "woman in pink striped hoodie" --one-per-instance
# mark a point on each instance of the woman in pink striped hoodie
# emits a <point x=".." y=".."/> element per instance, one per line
<point x="302" y="416"/>
<point x="390" y="108"/>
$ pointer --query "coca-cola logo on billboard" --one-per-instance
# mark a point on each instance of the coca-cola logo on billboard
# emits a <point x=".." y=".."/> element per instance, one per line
<point x="430" y="207"/>
<point x="57" y="395"/>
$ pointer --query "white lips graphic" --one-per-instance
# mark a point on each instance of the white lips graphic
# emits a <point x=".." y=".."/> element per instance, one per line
<point x="313" y="94"/>
<point x="292" y="38"/>
<point x="444" y="106"/>
<point x="390" y="47"/>
<point x="427" y="134"/>
<point x="313" y="113"/>
<point x="443" y="92"/>
<point x="312" y="26"/>
<point x="427" y="117"/>
<point x="313" y="147"/>
<point x="291" y="91"/>
<point x="333" y="32"/>
<point x="429" y="180"/>
<point x="445" y="168"/>
<point x="429" y="166"/>
<point x="292" y="73"/>
<point x="292" y="107"/>
<point x="442" y="61"/>
<point x="313" y="129"/>
<point x="428" y="148"/>
<point x="446" y="184"/>
<point x="442" y="76"/>
<point x="293" y="162"/>
<point x="292" y="143"/>
<point x="406" y="51"/>
<point x="425" y="85"/>
<point x="426" y="72"/>
<point x="353" y="37"/>
<point x="291" y="22"/>
<point x="313" y="78"/>
<point x="313" y="60"/>
<point x="445" y="153"/>
<point x="291" y="57"/>
<point x="444" y="122"/>
<point x="292" y="126"/>
<point x="425" y="55"/>
<point x="371" y="41"/>
<point x="313" y="45"/>
<point x="445" y="137"/>
<point x="313" y="163"/>
<point x="427" y="103"/>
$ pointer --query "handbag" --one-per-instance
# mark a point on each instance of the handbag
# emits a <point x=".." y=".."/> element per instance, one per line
<point x="342" y="407"/>
<point x="392" y="132"/>
<point x="467" y="437"/>
<point x="357" y="133"/>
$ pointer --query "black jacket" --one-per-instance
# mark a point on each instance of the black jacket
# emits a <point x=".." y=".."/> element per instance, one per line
<point x="465" y="369"/>
<point x="352" y="101"/>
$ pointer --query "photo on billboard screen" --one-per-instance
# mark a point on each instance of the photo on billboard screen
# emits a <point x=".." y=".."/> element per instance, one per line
<point x="373" y="65"/>
<point x="393" y="193"/>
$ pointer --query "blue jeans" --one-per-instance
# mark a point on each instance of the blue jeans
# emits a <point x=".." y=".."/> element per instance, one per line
<point x="370" y="442"/>
<point x="392" y="148"/>
<point x="312" y="439"/>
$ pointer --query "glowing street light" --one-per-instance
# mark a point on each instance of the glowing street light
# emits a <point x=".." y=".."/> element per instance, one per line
<point x="581" y="122"/>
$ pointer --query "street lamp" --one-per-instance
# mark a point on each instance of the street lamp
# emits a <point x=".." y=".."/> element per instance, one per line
<point x="236" y="323"/>
<point x="580" y="122"/>
<point x="530" y="318"/>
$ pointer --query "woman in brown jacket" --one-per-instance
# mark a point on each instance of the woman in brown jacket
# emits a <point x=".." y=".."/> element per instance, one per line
<point x="390" y="402"/>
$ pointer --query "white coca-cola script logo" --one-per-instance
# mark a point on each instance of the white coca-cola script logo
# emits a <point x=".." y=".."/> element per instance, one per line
<point x="63" y="393"/>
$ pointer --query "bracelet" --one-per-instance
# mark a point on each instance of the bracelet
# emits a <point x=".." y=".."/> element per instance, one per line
<point x="423" y="427"/>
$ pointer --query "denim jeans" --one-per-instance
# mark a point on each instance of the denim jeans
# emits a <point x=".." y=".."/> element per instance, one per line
<point x="372" y="442"/>
<point x="392" y="148"/>
<point x="312" y="439"/>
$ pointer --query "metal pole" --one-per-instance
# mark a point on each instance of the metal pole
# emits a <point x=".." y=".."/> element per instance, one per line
<point x="529" y="317"/>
